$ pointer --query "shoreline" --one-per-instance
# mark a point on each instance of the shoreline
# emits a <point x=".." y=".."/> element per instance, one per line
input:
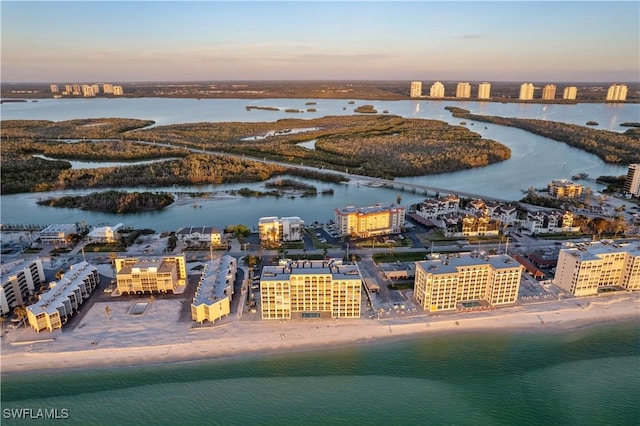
<point x="250" y="339"/>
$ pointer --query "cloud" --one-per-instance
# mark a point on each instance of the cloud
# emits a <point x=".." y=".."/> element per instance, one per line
<point x="470" y="36"/>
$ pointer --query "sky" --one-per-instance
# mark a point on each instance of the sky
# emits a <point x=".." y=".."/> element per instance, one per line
<point x="122" y="41"/>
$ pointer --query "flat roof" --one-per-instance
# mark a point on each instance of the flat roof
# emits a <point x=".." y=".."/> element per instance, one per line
<point x="449" y="264"/>
<point x="310" y="267"/>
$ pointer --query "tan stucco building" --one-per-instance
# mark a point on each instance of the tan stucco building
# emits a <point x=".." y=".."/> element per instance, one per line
<point x="150" y="275"/>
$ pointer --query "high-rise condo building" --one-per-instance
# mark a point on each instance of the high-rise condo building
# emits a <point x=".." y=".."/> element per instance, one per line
<point x="463" y="90"/>
<point x="363" y="222"/>
<point x="135" y="275"/>
<point x="570" y="92"/>
<point x="107" y="88"/>
<point x="484" y="90"/>
<point x="549" y="92"/>
<point x="416" y="89"/>
<point x="585" y="269"/>
<point x="77" y="90"/>
<point x="54" y="88"/>
<point x="68" y="88"/>
<point x="117" y="90"/>
<point x="632" y="182"/>
<point x="526" y="92"/>
<point x="451" y="281"/>
<point x="95" y="88"/>
<point x="617" y="92"/>
<point x="20" y="279"/>
<point x="437" y="90"/>
<point x="64" y="297"/>
<point x="310" y="289"/>
<point x="87" y="91"/>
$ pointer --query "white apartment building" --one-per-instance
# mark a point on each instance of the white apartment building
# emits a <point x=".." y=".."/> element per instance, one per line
<point x="64" y="297"/>
<point x="484" y="90"/>
<point x="526" y="91"/>
<point x="445" y="282"/>
<point x="273" y="229"/>
<point x="437" y="90"/>
<point x="570" y="93"/>
<point x="540" y="222"/>
<point x="107" y="88"/>
<point x="363" y="222"/>
<point x="432" y="208"/>
<point x="117" y="90"/>
<point x="632" y="182"/>
<point x="105" y="234"/>
<point x="416" y="89"/>
<point x="200" y="234"/>
<point x="20" y="279"/>
<point x="617" y="92"/>
<point x="215" y="289"/>
<point x="57" y="233"/>
<point x="549" y="92"/>
<point x="463" y="90"/>
<point x="585" y="269"/>
<point x="54" y="88"/>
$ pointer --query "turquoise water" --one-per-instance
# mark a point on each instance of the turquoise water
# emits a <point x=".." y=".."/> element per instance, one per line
<point x="586" y="377"/>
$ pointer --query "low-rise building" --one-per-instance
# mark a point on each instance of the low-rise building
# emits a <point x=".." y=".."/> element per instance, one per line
<point x="212" y="300"/>
<point x="587" y="268"/>
<point x="105" y="234"/>
<point x="58" y="233"/>
<point x="151" y="275"/>
<point x="363" y="222"/>
<point x="444" y="282"/>
<point x="310" y="289"/>
<point x="64" y="297"/>
<point x="200" y="234"/>
<point x="562" y="188"/>
<point x="20" y="279"/>
<point x="432" y="208"/>
<point x="543" y="222"/>
<point x="274" y="230"/>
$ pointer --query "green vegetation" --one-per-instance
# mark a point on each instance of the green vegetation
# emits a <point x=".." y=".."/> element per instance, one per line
<point x="112" y="201"/>
<point x="612" y="147"/>
<point x="366" y="109"/>
<point x="90" y="128"/>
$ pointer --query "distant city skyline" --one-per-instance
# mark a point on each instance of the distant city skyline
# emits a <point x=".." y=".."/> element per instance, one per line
<point x="415" y="41"/>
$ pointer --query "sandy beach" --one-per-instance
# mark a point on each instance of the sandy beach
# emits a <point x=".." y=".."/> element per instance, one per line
<point x="158" y="337"/>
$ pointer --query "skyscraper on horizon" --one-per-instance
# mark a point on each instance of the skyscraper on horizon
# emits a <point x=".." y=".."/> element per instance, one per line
<point x="549" y="92"/>
<point x="437" y="90"/>
<point x="526" y="92"/>
<point x="416" y="89"/>
<point x="484" y="90"/>
<point x="570" y="92"/>
<point x="617" y="92"/>
<point x="463" y="90"/>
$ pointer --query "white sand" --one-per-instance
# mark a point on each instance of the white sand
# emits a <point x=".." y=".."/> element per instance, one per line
<point x="157" y="336"/>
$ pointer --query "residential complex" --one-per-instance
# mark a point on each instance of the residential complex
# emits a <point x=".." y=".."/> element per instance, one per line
<point x="86" y="90"/>
<point x="588" y="268"/>
<point x="549" y="92"/>
<point x="200" y="234"/>
<point x="20" y="279"/>
<point x="544" y="222"/>
<point x="64" y="297"/>
<point x="58" y="233"/>
<point x="460" y="280"/>
<point x="431" y="208"/>
<point x="363" y="222"/>
<point x="416" y="89"/>
<point x="632" y="182"/>
<point x="484" y="90"/>
<point x="54" y="88"/>
<point x="151" y="275"/>
<point x="213" y="296"/>
<point x="617" y="92"/>
<point x="526" y="92"/>
<point x="274" y="230"/>
<point x="562" y="188"/>
<point x="310" y="289"/>
<point x="463" y="90"/>
<point x="437" y="90"/>
<point x="105" y="234"/>
<point x="570" y="92"/>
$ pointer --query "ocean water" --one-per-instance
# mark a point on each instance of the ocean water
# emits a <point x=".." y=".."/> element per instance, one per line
<point x="584" y="377"/>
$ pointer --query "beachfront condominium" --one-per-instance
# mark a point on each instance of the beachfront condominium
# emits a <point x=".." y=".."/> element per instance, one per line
<point x="437" y="90"/>
<point x="363" y="222"/>
<point x="562" y="188"/>
<point x="570" y="93"/>
<point x="416" y="89"/>
<point x="310" y="289"/>
<point x="617" y="92"/>
<point x="151" y="275"/>
<point x="64" y="297"/>
<point x="463" y="90"/>
<point x="484" y="90"/>
<point x="526" y="92"/>
<point x="549" y="92"/>
<point x="20" y="279"/>
<point x="213" y="296"/>
<point x="632" y="182"/>
<point x="453" y="281"/>
<point x="274" y="230"/>
<point x="588" y="268"/>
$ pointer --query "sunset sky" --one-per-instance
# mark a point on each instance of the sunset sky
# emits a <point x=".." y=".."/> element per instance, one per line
<point x="156" y="41"/>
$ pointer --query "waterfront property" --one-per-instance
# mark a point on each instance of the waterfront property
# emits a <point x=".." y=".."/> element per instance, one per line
<point x="586" y="269"/>
<point x="363" y="222"/>
<point x="632" y="181"/>
<point x="562" y="188"/>
<point x="274" y="230"/>
<point x="543" y="222"/>
<point x="20" y="279"/>
<point x="213" y="296"/>
<point x="105" y="234"/>
<point x="310" y="289"/>
<point x="151" y="275"/>
<point x="57" y="233"/>
<point x="448" y="282"/>
<point x="64" y="297"/>
<point x="200" y="234"/>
